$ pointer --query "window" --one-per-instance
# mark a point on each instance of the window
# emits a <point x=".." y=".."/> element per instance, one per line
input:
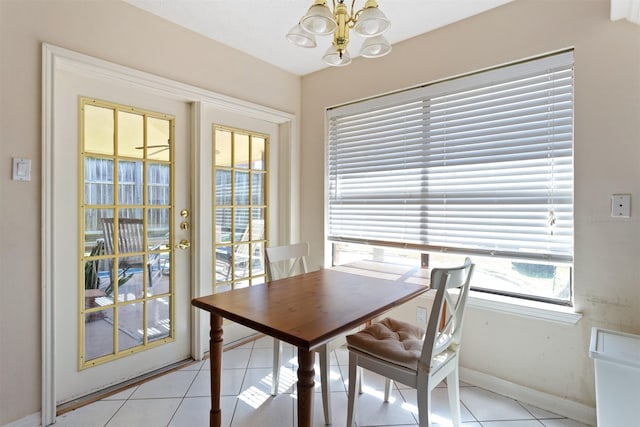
<point x="125" y="280"/>
<point x="479" y="165"/>
<point x="240" y="207"/>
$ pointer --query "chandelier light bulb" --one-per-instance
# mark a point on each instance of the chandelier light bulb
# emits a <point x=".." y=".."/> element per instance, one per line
<point x="298" y="36"/>
<point x="371" y="22"/>
<point x="336" y="58"/>
<point x="319" y="20"/>
<point x="375" y="47"/>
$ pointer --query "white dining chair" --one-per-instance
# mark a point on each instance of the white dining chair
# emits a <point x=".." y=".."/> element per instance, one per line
<point x="410" y="355"/>
<point x="281" y="262"/>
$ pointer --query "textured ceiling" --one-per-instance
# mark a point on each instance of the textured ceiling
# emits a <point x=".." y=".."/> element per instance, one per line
<point x="258" y="27"/>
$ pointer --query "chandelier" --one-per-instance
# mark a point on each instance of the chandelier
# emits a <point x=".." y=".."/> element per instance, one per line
<point x="369" y="22"/>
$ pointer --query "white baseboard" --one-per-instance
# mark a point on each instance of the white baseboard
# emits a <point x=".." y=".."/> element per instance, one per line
<point x="567" y="408"/>
<point x="32" y="420"/>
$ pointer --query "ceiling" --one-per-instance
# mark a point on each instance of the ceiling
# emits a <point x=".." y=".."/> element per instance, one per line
<point x="258" y="27"/>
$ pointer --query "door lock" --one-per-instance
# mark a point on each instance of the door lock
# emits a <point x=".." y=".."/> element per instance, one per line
<point x="184" y="244"/>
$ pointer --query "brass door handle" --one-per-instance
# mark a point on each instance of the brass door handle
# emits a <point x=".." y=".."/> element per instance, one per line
<point x="184" y="244"/>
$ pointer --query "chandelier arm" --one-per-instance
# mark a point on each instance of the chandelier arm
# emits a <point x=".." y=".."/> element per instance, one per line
<point x="352" y="15"/>
<point x="356" y="15"/>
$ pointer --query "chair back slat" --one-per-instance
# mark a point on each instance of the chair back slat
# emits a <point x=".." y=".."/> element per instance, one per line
<point x="130" y="235"/>
<point x="256" y="231"/>
<point x="444" y="329"/>
<point x="130" y="239"/>
<point x="107" y="232"/>
<point x="285" y="261"/>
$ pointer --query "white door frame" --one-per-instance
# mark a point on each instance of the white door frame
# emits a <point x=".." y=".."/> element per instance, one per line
<point x="56" y="58"/>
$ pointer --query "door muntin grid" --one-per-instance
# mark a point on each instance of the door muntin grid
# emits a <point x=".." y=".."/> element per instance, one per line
<point x="126" y="285"/>
<point x="240" y="185"/>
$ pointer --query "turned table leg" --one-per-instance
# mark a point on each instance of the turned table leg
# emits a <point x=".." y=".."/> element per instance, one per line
<point x="305" y="387"/>
<point x="215" y="358"/>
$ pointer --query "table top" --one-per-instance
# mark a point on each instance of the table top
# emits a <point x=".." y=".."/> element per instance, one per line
<point x="310" y="309"/>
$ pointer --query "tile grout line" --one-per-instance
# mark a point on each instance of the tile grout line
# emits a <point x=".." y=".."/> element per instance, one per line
<point x="117" y="410"/>
<point x="244" y="377"/>
<point x="184" y="396"/>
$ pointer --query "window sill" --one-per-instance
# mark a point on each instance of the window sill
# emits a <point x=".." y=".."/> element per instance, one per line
<point x="520" y="307"/>
<point x="525" y="308"/>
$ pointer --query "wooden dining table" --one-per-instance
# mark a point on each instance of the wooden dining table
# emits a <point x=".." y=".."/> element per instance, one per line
<point x="306" y="310"/>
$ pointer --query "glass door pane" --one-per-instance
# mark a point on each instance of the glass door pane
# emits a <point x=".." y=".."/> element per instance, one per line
<point x="126" y="204"/>
<point x="240" y="175"/>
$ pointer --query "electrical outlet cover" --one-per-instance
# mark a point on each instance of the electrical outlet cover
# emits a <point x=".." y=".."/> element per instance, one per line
<point x="621" y="205"/>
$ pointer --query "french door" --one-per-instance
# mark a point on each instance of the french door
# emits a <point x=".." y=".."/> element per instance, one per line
<point x="128" y="219"/>
<point x="122" y="234"/>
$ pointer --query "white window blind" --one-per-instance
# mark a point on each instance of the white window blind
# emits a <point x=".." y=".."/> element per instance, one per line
<point x="481" y="164"/>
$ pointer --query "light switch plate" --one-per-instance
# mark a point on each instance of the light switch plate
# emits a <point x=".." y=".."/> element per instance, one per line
<point x="21" y="169"/>
<point x="621" y="205"/>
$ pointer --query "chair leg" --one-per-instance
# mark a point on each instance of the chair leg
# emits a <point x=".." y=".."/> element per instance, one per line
<point x="277" y="352"/>
<point x="324" y="383"/>
<point x="354" y="379"/>
<point x="453" y="391"/>
<point x="387" y="388"/>
<point x="424" y="406"/>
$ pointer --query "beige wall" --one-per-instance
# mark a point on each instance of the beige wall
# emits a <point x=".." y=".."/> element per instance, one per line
<point x="110" y="30"/>
<point x="544" y="356"/>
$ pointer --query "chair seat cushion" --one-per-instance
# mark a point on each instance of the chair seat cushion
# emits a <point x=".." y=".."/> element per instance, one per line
<point x="391" y="340"/>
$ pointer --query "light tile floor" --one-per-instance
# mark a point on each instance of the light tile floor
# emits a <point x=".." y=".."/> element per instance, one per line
<point x="182" y="399"/>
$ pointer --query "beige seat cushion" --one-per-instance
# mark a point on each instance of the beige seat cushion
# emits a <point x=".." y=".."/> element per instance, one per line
<point x="391" y="340"/>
